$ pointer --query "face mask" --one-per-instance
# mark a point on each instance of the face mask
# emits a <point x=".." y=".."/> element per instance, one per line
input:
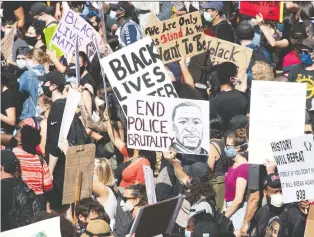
<point x="306" y="59"/>
<point x="31" y="40"/>
<point x="21" y="63"/>
<point x="113" y="15"/>
<point x="230" y="152"/>
<point x="208" y="17"/>
<point x="128" y="206"/>
<point x="46" y="91"/>
<point x="276" y="200"/>
<point x="13" y="142"/>
<point x="280" y="27"/>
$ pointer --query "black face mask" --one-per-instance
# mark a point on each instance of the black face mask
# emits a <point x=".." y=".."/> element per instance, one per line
<point x="13" y="142"/>
<point x="30" y="40"/>
<point x="46" y="91"/>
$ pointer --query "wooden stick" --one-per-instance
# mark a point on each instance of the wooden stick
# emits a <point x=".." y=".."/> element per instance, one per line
<point x="77" y="196"/>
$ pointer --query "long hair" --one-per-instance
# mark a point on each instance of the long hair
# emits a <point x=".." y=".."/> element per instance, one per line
<point x="200" y="188"/>
<point x="105" y="172"/>
<point x="38" y="55"/>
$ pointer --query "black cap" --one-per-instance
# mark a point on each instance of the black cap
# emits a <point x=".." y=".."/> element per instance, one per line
<point x="56" y="78"/>
<point x="39" y="7"/>
<point x="245" y="31"/>
<point x="197" y="170"/>
<point x="9" y="161"/>
<point x="238" y="121"/>
<point x="272" y="180"/>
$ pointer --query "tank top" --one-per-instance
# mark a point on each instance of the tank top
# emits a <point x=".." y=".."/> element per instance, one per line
<point x="221" y="165"/>
<point x="110" y="207"/>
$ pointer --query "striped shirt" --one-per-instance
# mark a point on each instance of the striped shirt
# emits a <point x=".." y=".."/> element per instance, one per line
<point x="35" y="175"/>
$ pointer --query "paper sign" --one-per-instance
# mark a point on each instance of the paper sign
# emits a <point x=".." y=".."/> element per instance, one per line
<point x="137" y="69"/>
<point x="176" y="35"/>
<point x="78" y="158"/>
<point x="294" y="158"/>
<point x="270" y="9"/>
<point x="65" y="36"/>
<point x="150" y="184"/>
<point x="71" y="104"/>
<point x="46" y="228"/>
<point x="7" y="42"/>
<point x="277" y="112"/>
<point x="158" y="123"/>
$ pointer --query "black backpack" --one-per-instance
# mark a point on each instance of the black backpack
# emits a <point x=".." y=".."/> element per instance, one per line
<point x="25" y="205"/>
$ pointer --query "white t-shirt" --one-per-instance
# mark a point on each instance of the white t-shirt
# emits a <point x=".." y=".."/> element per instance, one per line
<point x="201" y="205"/>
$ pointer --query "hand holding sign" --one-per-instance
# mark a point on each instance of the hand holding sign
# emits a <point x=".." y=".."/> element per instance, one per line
<point x="304" y="206"/>
<point x="170" y="155"/>
<point x="259" y="19"/>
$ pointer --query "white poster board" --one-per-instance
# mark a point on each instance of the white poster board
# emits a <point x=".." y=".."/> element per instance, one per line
<point x="158" y="123"/>
<point x="71" y="104"/>
<point x="294" y="158"/>
<point x="277" y="112"/>
<point x="137" y="69"/>
<point x="65" y="35"/>
<point x="47" y="228"/>
<point x="150" y="184"/>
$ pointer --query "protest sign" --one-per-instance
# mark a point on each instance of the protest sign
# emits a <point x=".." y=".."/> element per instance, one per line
<point x="137" y="69"/>
<point x="150" y="184"/>
<point x="45" y="228"/>
<point x="70" y="25"/>
<point x="78" y="158"/>
<point x="71" y="104"/>
<point x="277" y="112"/>
<point x="176" y="35"/>
<point x="158" y="123"/>
<point x="166" y="212"/>
<point x="7" y="42"/>
<point x="294" y="158"/>
<point x="271" y="10"/>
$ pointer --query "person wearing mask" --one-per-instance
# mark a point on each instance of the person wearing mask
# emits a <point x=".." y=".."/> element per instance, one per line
<point x="19" y="42"/>
<point x="236" y="181"/>
<point x="103" y="187"/>
<point x="29" y="84"/>
<point x="41" y="12"/>
<point x="35" y="36"/>
<point x="277" y="218"/>
<point x="304" y="72"/>
<point x="21" y="54"/>
<point x="212" y="12"/>
<point x="217" y="159"/>
<point x="43" y="110"/>
<point x="229" y="102"/>
<point x="129" y="31"/>
<point x="34" y="170"/>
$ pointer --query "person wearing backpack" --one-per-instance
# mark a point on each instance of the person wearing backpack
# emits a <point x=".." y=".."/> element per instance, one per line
<point x="19" y="203"/>
<point x="245" y="34"/>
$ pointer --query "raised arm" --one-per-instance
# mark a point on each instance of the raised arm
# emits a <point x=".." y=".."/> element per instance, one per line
<point x="188" y="79"/>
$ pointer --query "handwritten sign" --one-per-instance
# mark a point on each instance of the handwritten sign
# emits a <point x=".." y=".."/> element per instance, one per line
<point x="277" y="112"/>
<point x="294" y="158"/>
<point x="70" y="25"/>
<point x="270" y="10"/>
<point x="7" y="42"/>
<point x="156" y="123"/>
<point x="175" y="36"/>
<point x="137" y="69"/>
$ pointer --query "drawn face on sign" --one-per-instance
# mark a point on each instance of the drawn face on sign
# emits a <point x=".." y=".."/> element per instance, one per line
<point x="273" y="229"/>
<point x="188" y="126"/>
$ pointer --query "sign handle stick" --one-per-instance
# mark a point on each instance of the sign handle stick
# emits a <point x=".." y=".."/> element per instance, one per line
<point x="77" y="195"/>
<point x="77" y="61"/>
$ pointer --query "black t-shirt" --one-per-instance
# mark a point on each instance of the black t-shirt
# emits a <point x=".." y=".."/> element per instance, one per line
<point x="87" y="78"/>
<point x="7" y="101"/>
<point x="229" y="104"/>
<point x="301" y="75"/>
<point x="224" y="31"/>
<point x="6" y="202"/>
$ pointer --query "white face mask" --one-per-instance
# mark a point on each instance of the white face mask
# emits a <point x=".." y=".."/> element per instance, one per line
<point x="208" y="17"/>
<point x="276" y="200"/>
<point x="113" y="15"/>
<point x="21" y="63"/>
<point x="128" y="206"/>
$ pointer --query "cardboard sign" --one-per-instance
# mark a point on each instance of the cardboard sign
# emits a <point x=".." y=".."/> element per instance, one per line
<point x="137" y="69"/>
<point x="45" y="228"/>
<point x="176" y="35"/>
<point x="150" y="184"/>
<point x="7" y="42"/>
<point x="294" y="158"/>
<point x="65" y="36"/>
<point x="165" y="212"/>
<point x="78" y="158"/>
<point x="270" y="10"/>
<point x="158" y="123"/>
<point x="277" y="112"/>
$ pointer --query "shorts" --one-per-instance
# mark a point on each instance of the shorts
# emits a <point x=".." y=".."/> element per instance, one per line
<point x="238" y="217"/>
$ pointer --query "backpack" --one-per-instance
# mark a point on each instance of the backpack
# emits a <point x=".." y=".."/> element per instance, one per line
<point x="25" y="205"/>
<point x="123" y="27"/>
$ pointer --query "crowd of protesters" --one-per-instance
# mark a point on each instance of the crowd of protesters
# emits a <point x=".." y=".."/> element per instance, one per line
<point x="35" y="80"/>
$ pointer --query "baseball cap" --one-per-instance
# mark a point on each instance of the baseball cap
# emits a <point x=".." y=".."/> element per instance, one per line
<point x="212" y="5"/>
<point x="197" y="170"/>
<point x="307" y="43"/>
<point x="56" y="78"/>
<point x="272" y="180"/>
<point x="97" y="228"/>
<point x="39" y="7"/>
<point x="245" y="30"/>
<point x="9" y="161"/>
<point x="238" y="121"/>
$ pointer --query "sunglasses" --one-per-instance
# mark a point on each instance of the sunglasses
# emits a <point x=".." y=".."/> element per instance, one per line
<point x="125" y="199"/>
